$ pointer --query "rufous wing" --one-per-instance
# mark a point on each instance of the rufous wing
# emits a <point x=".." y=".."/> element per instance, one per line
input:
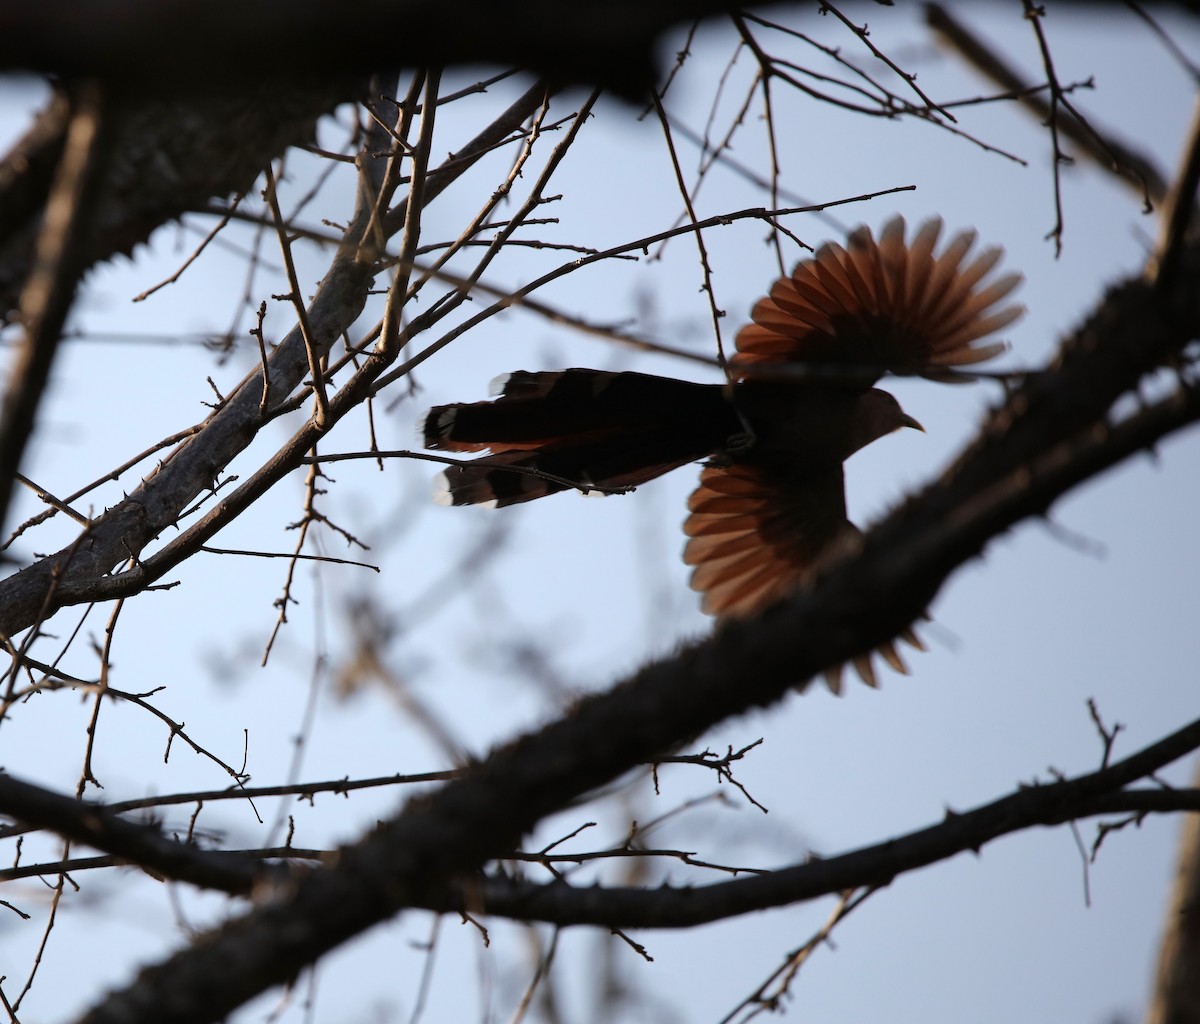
<point x="756" y="532"/>
<point x="886" y="304"/>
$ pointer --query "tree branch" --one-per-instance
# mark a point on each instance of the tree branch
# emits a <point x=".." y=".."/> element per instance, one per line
<point x="1050" y="435"/>
<point x="1176" y="995"/>
<point x="610" y="45"/>
<point x="49" y="290"/>
<point x="70" y="575"/>
<point x="871" y="866"/>
<point x="171" y="153"/>
<point x="1107" y="152"/>
<point x="240" y="873"/>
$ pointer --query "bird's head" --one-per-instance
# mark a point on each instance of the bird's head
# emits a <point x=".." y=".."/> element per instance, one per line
<point x="877" y="415"/>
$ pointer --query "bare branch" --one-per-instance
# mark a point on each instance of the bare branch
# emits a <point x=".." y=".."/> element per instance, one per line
<point x="1107" y="152"/>
<point x="157" y="503"/>
<point x="1047" y="438"/>
<point x="50" y="288"/>
<point x="610" y="45"/>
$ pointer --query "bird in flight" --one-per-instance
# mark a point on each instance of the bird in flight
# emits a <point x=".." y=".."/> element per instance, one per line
<point x="799" y="401"/>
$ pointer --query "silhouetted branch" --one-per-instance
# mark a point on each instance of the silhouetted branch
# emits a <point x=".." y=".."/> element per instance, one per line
<point x="170" y="154"/>
<point x="238" y="873"/>
<point x="1051" y="434"/>
<point x="49" y="289"/>
<point x="1130" y="166"/>
<point x="1176" y="995"/>
<point x="876" y="865"/>
<point x="611" y="45"/>
<point x="1179" y="212"/>
<point x="154" y="505"/>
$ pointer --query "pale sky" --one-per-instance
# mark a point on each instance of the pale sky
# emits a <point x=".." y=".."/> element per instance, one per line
<point x="1098" y="604"/>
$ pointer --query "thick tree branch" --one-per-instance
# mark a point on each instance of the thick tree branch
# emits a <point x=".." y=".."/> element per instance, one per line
<point x="871" y="866"/>
<point x="1176" y="997"/>
<point x="1051" y="434"/>
<point x="70" y="575"/>
<point x="50" y="287"/>
<point x="1179" y="212"/>
<point x="142" y="845"/>
<point x="171" y="153"/>
<point x="610" y="45"/>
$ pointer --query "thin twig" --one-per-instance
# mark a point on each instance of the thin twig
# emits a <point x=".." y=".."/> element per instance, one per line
<point x="1033" y="14"/>
<point x="769" y="995"/>
<point x="216" y="230"/>
<point x="1131" y="167"/>
<point x="865" y="36"/>
<point x="398" y="291"/>
<point x="518" y="297"/>
<point x="296" y="297"/>
<point x="114" y="474"/>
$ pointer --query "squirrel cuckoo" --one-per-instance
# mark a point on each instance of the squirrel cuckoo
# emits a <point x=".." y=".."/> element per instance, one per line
<point x="799" y="402"/>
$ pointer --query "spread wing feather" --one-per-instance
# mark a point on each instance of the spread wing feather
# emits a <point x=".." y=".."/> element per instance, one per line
<point x="883" y="304"/>
<point x="762" y="518"/>
<point x="755" y="532"/>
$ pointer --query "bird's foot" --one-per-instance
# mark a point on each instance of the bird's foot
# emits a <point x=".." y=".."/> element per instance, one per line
<point x="740" y="443"/>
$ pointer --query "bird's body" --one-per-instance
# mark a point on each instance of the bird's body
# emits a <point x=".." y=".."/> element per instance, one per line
<point x="578" y="428"/>
<point x="799" y="402"/>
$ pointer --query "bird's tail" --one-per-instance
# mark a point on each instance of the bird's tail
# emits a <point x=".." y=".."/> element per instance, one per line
<point x="592" y="430"/>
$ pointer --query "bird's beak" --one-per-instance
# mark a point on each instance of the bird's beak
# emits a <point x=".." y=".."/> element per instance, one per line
<point x="908" y="421"/>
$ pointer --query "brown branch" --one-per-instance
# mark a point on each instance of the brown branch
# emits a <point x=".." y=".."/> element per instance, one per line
<point x="1179" y="212"/>
<point x="216" y="870"/>
<point x="305" y="790"/>
<point x="312" y="348"/>
<point x="705" y="266"/>
<point x="1050" y="436"/>
<point x="1057" y="803"/>
<point x="172" y="152"/>
<point x="865" y="37"/>
<point x="114" y="474"/>
<point x="1034" y="14"/>
<point x="611" y="45"/>
<point x="56" y="269"/>
<point x="769" y="995"/>
<point x="398" y="292"/>
<point x="142" y="845"/>
<point x="239" y="872"/>
<point x="194" y="255"/>
<point x="1101" y="147"/>
<point x="519" y="296"/>
<point x="69" y="575"/>
<point x="881" y="101"/>
<point x="363" y="385"/>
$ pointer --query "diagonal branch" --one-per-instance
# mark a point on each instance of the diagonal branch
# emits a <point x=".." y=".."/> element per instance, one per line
<point x="155" y="505"/>
<point x="50" y="288"/>
<point x="1176" y="983"/>
<point x="1109" y="153"/>
<point x="171" y="153"/>
<point x="1095" y="793"/>
<point x="1050" y="435"/>
<point x="143" y="845"/>
<point x="1179" y="211"/>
